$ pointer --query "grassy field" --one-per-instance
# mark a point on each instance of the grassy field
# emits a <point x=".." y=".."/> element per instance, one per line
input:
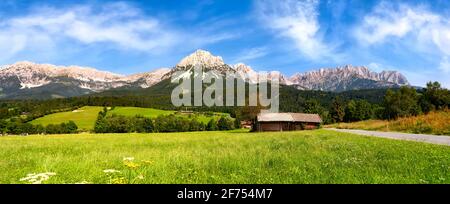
<point x="152" y="113"/>
<point x="437" y="123"/>
<point x="84" y="117"/>
<point x="318" y="156"/>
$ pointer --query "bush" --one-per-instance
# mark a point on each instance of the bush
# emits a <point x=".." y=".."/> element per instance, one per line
<point x="422" y="127"/>
<point x="225" y="124"/>
<point x="212" y="125"/>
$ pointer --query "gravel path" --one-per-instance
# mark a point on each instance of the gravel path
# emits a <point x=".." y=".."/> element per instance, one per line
<point x="435" y="139"/>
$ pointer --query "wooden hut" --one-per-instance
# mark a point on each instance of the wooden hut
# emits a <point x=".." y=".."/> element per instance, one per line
<point x="287" y="121"/>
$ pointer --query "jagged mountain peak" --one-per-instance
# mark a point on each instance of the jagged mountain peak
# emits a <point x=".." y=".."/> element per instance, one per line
<point x="25" y="68"/>
<point x="201" y="57"/>
<point x="347" y="77"/>
<point x="148" y="79"/>
<point x="24" y="78"/>
<point x="241" y="67"/>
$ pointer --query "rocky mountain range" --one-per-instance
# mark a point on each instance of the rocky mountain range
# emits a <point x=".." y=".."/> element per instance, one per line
<point x="31" y="80"/>
<point x="347" y="78"/>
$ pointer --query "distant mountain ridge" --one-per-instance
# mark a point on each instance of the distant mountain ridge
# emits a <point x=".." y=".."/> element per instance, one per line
<point x="347" y="78"/>
<point x="30" y="80"/>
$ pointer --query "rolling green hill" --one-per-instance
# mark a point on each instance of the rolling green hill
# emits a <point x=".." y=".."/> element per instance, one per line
<point x="84" y="117"/>
<point x="153" y="113"/>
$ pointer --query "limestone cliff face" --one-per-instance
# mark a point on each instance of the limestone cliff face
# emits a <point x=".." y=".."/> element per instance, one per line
<point x="27" y="77"/>
<point x="347" y="78"/>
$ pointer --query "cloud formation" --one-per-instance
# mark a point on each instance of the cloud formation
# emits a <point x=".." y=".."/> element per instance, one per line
<point x="252" y="53"/>
<point x="113" y="25"/>
<point x="125" y="27"/>
<point x="387" y="21"/>
<point x="298" y="21"/>
<point x="390" y="23"/>
<point x="414" y="27"/>
<point x="445" y="65"/>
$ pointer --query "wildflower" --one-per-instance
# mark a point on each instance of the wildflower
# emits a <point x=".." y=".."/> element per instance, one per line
<point x="37" y="178"/>
<point x="129" y="159"/>
<point x="111" y="171"/>
<point x="141" y="177"/>
<point x="147" y="162"/>
<point x="131" y="165"/>
<point x="83" y="182"/>
<point x="120" y="180"/>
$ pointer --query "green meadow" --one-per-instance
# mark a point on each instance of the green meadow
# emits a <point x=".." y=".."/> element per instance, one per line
<point x="318" y="156"/>
<point x="85" y="117"/>
<point x="152" y="113"/>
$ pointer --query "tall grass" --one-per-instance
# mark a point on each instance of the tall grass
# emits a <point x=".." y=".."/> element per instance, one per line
<point x="437" y="123"/>
<point x="318" y="156"/>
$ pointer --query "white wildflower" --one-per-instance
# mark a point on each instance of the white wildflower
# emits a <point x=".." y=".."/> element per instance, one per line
<point x="37" y="178"/>
<point x="111" y="171"/>
<point x="83" y="182"/>
<point x="129" y="159"/>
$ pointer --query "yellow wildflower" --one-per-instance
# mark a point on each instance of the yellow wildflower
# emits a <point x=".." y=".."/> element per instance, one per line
<point x="147" y="162"/>
<point x="120" y="180"/>
<point x="131" y="165"/>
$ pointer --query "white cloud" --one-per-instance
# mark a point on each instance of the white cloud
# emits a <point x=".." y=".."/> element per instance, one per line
<point x="123" y="27"/>
<point x="415" y="28"/>
<point x="441" y="36"/>
<point x="253" y="53"/>
<point x="375" y="67"/>
<point x="114" y="25"/>
<point x="11" y="44"/>
<point x="386" y="21"/>
<point x="298" y="21"/>
<point x="445" y="65"/>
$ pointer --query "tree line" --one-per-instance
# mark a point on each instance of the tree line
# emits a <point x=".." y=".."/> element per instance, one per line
<point x="19" y="128"/>
<point x="404" y="102"/>
<point x="112" y="123"/>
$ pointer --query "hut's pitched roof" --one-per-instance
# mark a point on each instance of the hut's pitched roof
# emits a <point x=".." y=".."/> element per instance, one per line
<point x="289" y="117"/>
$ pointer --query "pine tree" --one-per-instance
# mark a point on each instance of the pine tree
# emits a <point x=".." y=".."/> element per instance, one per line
<point x="337" y="110"/>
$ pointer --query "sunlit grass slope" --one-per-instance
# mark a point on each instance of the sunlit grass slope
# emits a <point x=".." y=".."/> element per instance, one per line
<point x="433" y="123"/>
<point x="84" y="117"/>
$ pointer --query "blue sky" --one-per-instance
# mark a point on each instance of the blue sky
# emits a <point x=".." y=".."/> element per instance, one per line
<point x="292" y="36"/>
